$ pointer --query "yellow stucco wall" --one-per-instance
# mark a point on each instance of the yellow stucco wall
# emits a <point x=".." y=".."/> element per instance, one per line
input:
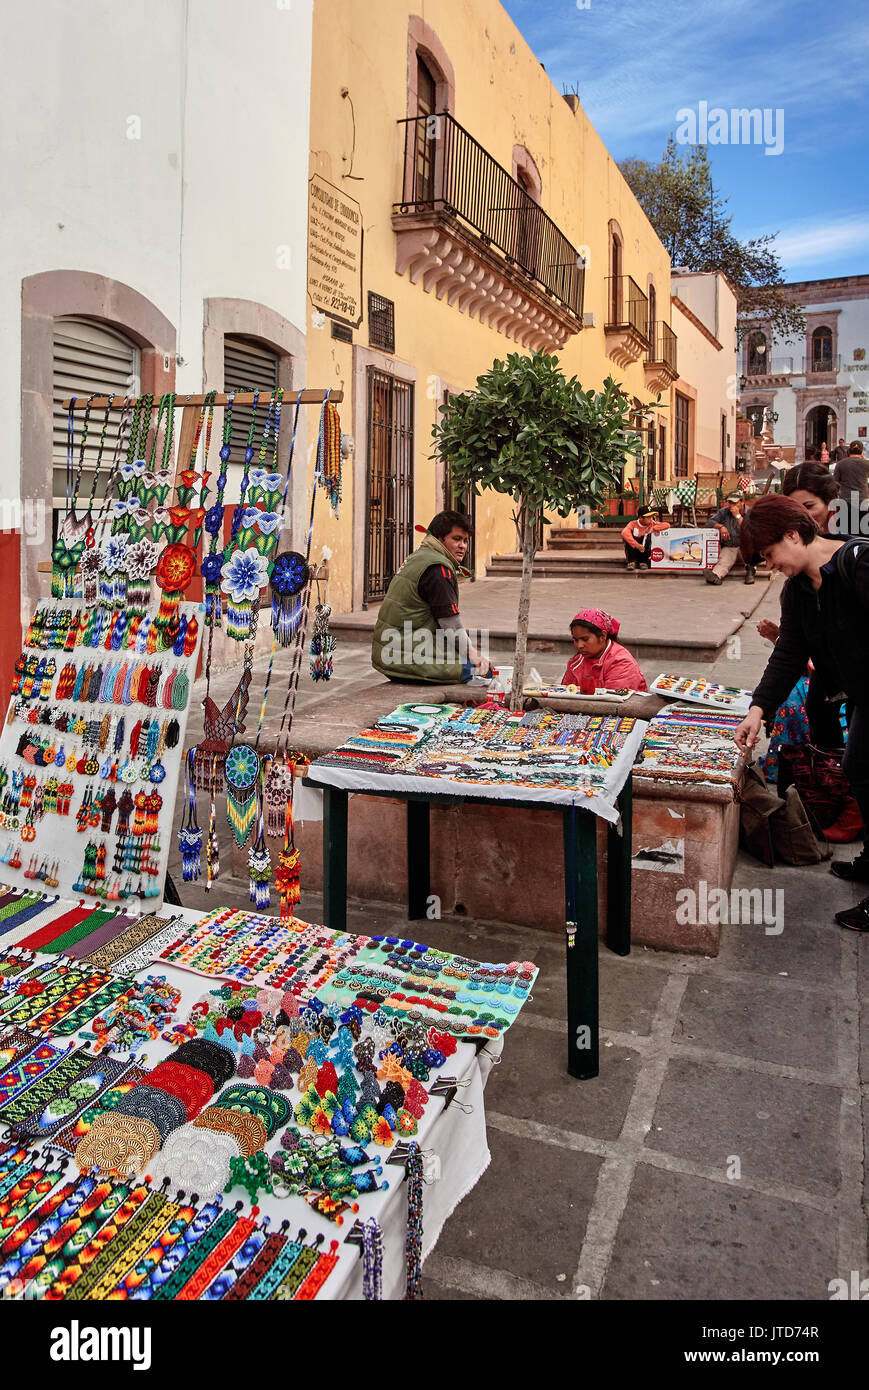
<point x="503" y="98"/>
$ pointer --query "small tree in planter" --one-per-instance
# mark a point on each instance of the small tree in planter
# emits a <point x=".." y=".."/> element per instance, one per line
<point x="529" y="432"/>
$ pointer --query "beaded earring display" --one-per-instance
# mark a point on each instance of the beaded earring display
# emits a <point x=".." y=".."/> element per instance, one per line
<point x="189" y="834"/>
<point x="328" y="466"/>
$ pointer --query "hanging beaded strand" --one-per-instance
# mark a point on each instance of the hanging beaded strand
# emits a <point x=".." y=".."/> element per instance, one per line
<point x="70" y="544"/>
<point x="372" y="1261"/>
<point x="212" y="564"/>
<point x="413" y="1242"/>
<point x="189" y="834"/>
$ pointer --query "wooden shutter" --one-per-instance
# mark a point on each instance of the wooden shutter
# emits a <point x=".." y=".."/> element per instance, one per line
<point x="89" y="359"/>
<point x="248" y="366"/>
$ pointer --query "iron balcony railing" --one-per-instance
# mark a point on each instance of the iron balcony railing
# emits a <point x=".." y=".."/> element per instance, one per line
<point x="447" y="170"/>
<point x="664" y="348"/>
<point x="822" y="364"/>
<point x="628" y="307"/>
<point x="770" y="366"/>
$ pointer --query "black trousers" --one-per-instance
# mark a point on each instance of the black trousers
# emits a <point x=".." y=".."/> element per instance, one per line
<point x="855" y="763"/>
<point x="825" y="728"/>
<point x="637" y="557"/>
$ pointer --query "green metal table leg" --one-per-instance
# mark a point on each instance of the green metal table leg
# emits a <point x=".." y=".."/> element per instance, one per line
<point x="418" y="859"/>
<point x="580" y="872"/>
<point x="335" y="858"/>
<point x="618" y="921"/>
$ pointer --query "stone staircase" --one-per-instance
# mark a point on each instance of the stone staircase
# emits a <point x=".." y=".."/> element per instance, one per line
<point x="571" y="552"/>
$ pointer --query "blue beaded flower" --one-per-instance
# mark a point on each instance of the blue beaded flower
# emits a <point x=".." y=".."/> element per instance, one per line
<point x="212" y="566"/>
<point x="213" y="519"/>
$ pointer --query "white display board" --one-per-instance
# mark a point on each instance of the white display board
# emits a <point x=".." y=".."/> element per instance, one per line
<point x="53" y="842"/>
<point x="686" y="548"/>
<point x="730" y="699"/>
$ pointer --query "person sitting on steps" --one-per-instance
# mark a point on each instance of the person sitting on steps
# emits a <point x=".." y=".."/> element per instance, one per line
<point x="637" y="536"/>
<point x="419" y="634"/>
<point x="728" y="523"/>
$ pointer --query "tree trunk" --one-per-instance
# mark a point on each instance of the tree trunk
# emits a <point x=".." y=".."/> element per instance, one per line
<point x="529" y="545"/>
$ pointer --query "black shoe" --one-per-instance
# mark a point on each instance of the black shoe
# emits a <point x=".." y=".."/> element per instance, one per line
<point x="630" y="565"/>
<point x="852" y="870"/>
<point x="749" y="575"/>
<point x="856" y="918"/>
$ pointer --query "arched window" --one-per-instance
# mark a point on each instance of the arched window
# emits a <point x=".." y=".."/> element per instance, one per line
<point x="758" y="354"/>
<point x="616" y="295"/>
<point x="88" y="360"/>
<point x="431" y="91"/>
<point x="822" y="349"/>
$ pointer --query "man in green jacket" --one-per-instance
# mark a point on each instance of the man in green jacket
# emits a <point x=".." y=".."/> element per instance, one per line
<point x="419" y="635"/>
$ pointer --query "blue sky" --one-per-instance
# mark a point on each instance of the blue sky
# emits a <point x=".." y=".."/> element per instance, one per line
<point x="636" y="63"/>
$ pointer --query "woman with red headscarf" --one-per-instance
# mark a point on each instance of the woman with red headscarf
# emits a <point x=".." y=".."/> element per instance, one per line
<point x="600" y="661"/>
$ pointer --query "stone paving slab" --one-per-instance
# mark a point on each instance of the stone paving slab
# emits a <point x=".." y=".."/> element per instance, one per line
<point x="528" y="1211"/>
<point x="685" y="1238"/>
<point x="788" y="1026"/>
<point x="779" y="1130"/>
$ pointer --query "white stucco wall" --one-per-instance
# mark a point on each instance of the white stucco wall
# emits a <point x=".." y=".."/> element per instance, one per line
<point x="197" y="206"/>
<point x="847" y="388"/>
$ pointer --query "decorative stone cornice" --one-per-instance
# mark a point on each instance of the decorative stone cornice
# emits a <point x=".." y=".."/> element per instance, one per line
<point x="625" y="345"/>
<point x="659" y="376"/>
<point x="451" y="261"/>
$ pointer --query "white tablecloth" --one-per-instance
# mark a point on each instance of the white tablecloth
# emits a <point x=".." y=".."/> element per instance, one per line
<point x="453" y="1141"/>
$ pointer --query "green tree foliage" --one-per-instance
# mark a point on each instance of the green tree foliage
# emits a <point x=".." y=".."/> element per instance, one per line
<point x="691" y="218"/>
<point x="531" y="433"/>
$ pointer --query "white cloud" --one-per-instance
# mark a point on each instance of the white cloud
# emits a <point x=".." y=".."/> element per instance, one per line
<point x="806" y="243"/>
<point x="635" y="66"/>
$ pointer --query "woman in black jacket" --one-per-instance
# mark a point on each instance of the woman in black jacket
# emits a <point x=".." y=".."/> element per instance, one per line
<point x="825" y="617"/>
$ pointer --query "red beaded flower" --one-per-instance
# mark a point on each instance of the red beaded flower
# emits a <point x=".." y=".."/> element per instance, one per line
<point x="175" y="568"/>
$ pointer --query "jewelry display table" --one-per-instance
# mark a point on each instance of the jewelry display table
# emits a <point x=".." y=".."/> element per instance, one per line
<point x="580" y="875"/>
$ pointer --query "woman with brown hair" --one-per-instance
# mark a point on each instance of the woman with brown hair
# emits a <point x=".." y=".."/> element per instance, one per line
<point x="825" y="619"/>
<point x="814" y="487"/>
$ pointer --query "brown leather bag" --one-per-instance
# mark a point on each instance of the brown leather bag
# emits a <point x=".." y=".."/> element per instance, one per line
<point x="772" y="826"/>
